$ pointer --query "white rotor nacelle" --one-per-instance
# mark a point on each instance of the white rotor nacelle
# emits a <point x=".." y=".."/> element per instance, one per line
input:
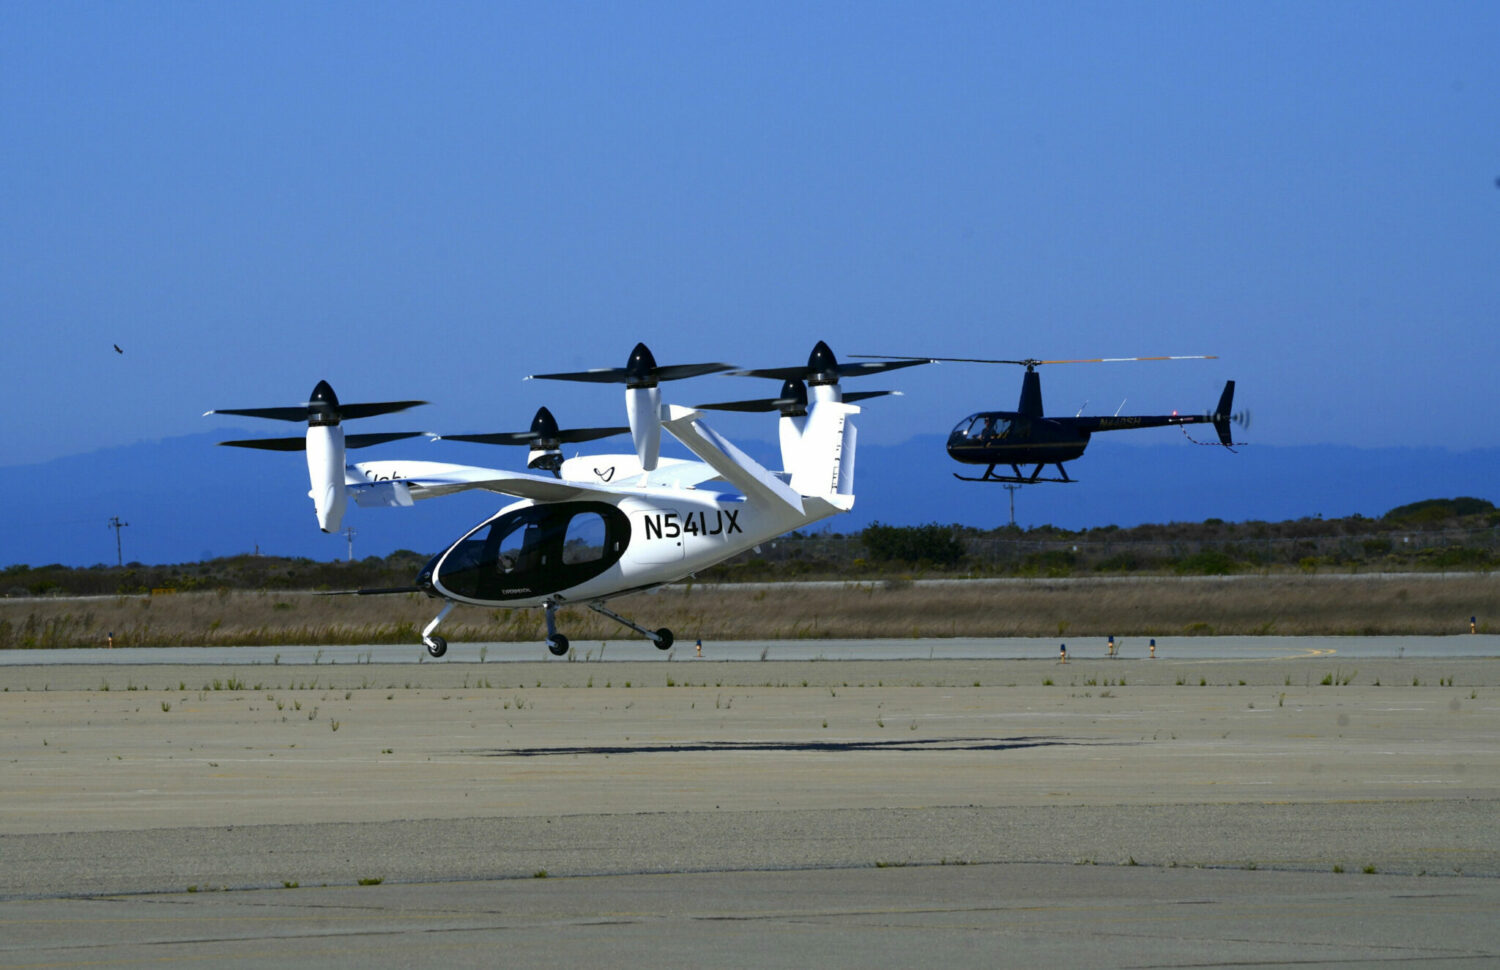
<point x="325" y="444"/>
<point x="325" y="473"/>
<point x="641" y="376"/>
<point x="643" y="412"/>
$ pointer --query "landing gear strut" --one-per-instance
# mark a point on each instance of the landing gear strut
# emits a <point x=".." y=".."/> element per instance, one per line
<point x="1018" y="478"/>
<point x="662" y="637"/>
<point x="436" y="645"/>
<point x="557" y="644"/>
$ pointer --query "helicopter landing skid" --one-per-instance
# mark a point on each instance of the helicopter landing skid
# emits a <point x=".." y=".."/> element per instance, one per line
<point x="1017" y="478"/>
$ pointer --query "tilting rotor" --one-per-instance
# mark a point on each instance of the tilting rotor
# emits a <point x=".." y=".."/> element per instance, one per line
<point x="823" y="372"/>
<point x="544" y="437"/>
<point x="792" y="402"/>
<point x="641" y="376"/>
<point x="325" y="442"/>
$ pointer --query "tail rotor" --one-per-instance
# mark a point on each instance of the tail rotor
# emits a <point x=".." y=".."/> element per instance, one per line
<point x="1224" y="415"/>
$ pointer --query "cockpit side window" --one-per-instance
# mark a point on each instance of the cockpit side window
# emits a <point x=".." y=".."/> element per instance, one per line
<point x="584" y="539"/>
<point x="504" y="545"/>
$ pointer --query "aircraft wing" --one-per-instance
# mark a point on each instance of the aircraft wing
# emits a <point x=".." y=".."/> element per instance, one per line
<point x="399" y="483"/>
<point x="624" y="471"/>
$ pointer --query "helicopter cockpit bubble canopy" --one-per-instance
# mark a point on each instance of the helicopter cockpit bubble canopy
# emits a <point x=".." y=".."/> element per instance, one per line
<point x="531" y="551"/>
<point x="981" y="426"/>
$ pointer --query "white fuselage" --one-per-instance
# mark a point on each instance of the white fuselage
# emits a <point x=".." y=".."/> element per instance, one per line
<point x="673" y="533"/>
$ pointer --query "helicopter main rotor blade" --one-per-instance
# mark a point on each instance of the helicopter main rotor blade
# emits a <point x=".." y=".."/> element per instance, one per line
<point x="1116" y="360"/>
<point x="1033" y="362"/>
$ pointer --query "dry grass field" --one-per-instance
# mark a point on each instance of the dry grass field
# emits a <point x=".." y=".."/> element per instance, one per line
<point x="1365" y="605"/>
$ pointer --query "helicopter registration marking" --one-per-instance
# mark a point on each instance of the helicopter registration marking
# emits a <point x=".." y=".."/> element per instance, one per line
<point x="670" y="525"/>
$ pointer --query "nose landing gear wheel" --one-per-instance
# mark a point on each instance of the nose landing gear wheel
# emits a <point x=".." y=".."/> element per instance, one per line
<point x="558" y="645"/>
<point x="664" y="639"/>
<point x="436" y="646"/>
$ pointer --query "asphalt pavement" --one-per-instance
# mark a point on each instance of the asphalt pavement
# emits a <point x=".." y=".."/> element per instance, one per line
<point x="1270" y="804"/>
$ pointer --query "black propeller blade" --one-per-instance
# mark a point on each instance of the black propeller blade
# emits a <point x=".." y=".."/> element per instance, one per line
<point x="824" y="368"/>
<point x="298" y="444"/>
<point x="269" y="444"/>
<point x="641" y="370"/>
<point x="323" y="408"/>
<point x="544" y="433"/>
<point x="791" y="403"/>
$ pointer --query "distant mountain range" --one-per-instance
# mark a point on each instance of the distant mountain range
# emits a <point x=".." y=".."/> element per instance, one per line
<point x="186" y="500"/>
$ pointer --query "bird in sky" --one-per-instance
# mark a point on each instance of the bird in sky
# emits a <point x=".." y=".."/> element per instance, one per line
<point x="118" y="350"/>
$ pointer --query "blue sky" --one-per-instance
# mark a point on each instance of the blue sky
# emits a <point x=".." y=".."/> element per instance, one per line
<point x="434" y="200"/>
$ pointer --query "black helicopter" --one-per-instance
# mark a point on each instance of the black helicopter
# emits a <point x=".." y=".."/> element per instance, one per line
<point x="1026" y="436"/>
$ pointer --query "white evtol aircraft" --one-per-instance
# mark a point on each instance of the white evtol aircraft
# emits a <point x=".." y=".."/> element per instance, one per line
<point x="601" y="526"/>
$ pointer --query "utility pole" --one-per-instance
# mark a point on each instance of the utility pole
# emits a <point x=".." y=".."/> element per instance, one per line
<point x="349" y="535"/>
<point x="1012" y="489"/>
<point x="117" y="525"/>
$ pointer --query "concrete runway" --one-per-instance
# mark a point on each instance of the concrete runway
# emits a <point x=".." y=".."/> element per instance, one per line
<point x="1266" y="807"/>
<point x="946" y="648"/>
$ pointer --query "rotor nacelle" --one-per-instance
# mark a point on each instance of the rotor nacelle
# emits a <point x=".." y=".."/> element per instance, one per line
<point x="325" y="443"/>
<point x="641" y="376"/>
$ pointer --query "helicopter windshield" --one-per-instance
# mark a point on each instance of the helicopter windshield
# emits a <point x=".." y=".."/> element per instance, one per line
<point x="534" y="551"/>
<point x="977" y="426"/>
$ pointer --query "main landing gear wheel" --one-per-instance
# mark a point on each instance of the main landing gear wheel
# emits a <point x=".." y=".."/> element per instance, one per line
<point x="436" y="646"/>
<point x="558" y="645"/>
<point x="662" y="638"/>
